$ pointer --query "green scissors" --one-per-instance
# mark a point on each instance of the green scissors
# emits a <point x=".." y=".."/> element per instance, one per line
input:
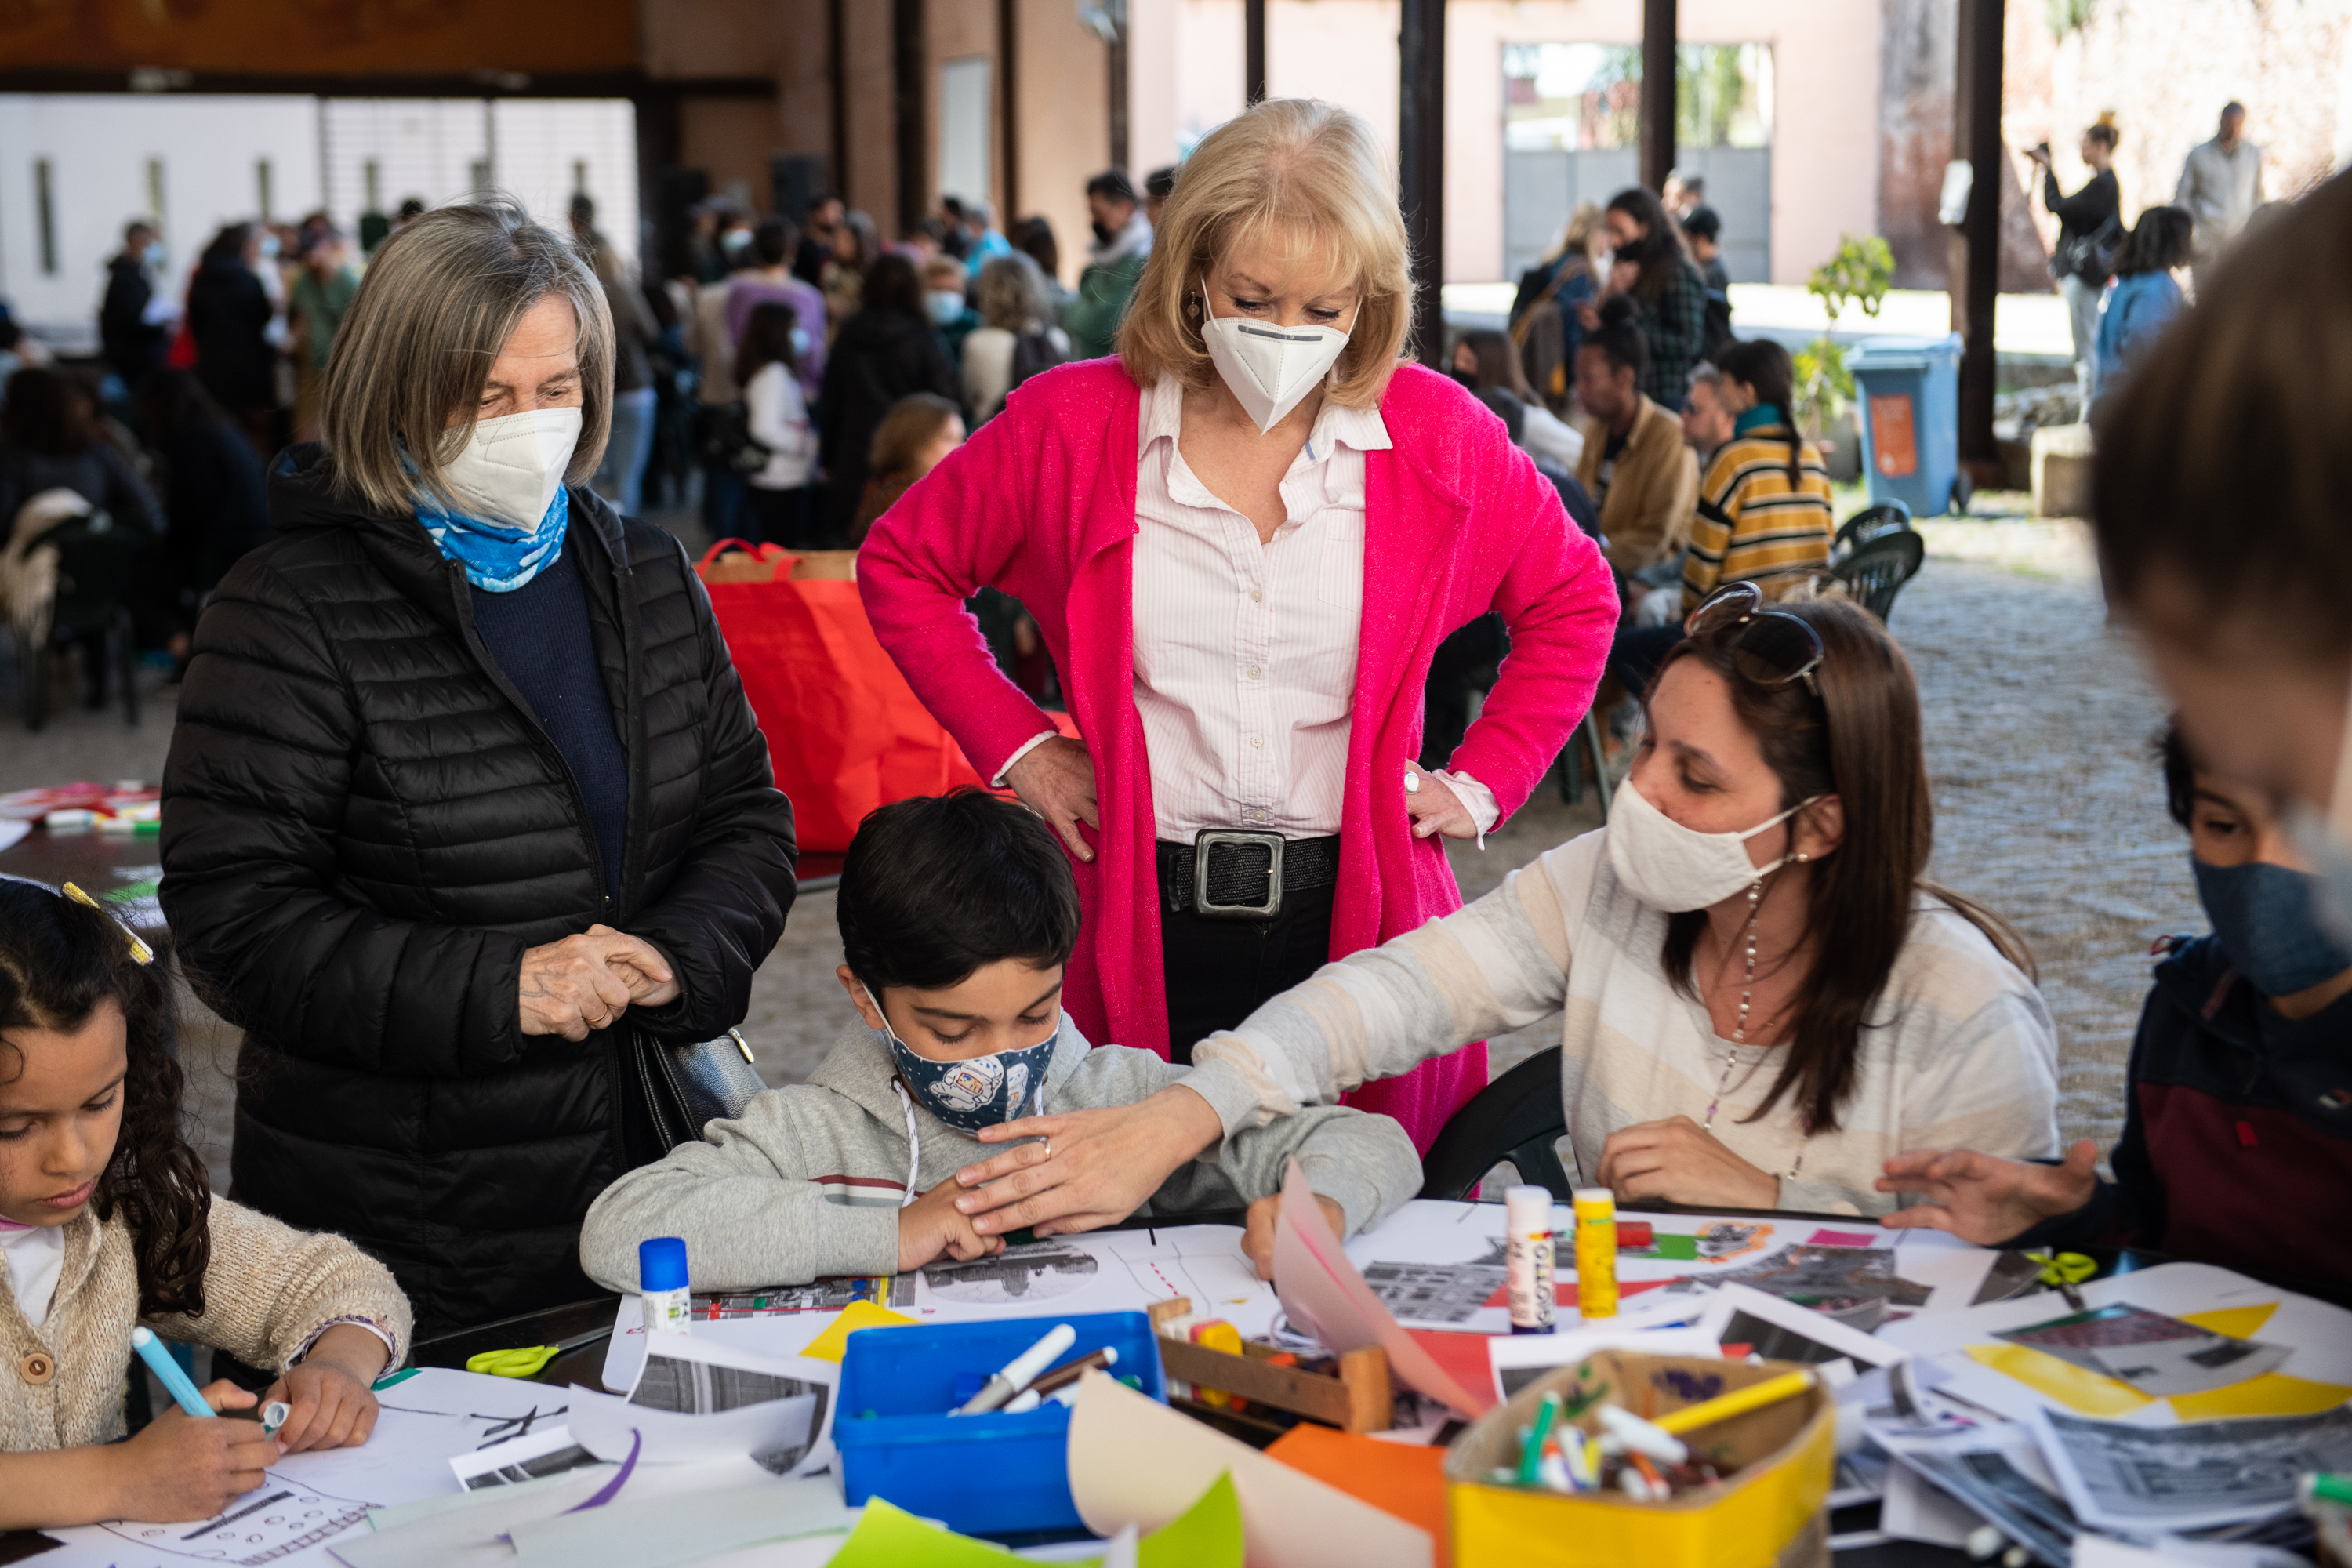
<point x="531" y="1360"/>
<point x="2064" y="1270"/>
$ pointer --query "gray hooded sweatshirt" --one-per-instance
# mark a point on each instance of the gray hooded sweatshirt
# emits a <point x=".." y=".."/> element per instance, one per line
<point x="809" y="1182"/>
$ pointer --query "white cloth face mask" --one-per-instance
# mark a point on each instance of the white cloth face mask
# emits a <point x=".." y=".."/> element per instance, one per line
<point x="1270" y="368"/>
<point x="1675" y="869"/>
<point x="508" y="473"/>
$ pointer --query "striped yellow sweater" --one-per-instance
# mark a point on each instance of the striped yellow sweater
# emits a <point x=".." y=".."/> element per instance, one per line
<point x="1752" y="524"/>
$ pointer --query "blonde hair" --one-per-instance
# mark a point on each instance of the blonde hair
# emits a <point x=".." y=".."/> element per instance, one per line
<point x="1311" y="176"/>
<point x="1577" y="234"/>
<point x="437" y="305"/>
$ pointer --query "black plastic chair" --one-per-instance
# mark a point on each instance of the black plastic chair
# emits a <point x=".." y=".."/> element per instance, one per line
<point x="1593" y="738"/>
<point x="98" y="568"/>
<point x="1515" y="1118"/>
<point x="1875" y="571"/>
<point x="1871" y="523"/>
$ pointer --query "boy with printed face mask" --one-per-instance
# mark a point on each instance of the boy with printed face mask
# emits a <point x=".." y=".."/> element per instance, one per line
<point x="2237" y="1146"/>
<point x="958" y="914"/>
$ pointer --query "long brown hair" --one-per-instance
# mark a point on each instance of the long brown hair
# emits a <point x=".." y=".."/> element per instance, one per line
<point x="1660" y="252"/>
<point x="1858" y="739"/>
<point x="58" y="962"/>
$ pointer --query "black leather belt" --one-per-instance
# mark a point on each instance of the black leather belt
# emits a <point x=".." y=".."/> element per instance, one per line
<point x="1230" y="875"/>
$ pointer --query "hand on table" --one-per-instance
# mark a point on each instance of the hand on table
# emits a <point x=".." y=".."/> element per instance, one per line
<point x="180" y="1467"/>
<point x="583" y="983"/>
<point x="1095" y="1167"/>
<point x="1683" y="1163"/>
<point x="1435" y="808"/>
<point x="1257" y="1230"/>
<point x="1984" y="1199"/>
<point x="932" y="1225"/>
<point x="1056" y="781"/>
<point x="330" y="1391"/>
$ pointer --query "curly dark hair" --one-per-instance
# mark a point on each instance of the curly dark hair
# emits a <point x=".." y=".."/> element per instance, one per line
<point x="59" y="961"/>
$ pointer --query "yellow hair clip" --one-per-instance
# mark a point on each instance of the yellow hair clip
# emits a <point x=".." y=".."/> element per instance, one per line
<point x="140" y="950"/>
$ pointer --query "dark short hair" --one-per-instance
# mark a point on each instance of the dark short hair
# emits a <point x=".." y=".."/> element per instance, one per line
<point x="1704" y="223"/>
<point x="137" y="225"/>
<point x="48" y="412"/>
<point x="2222" y="460"/>
<point x="2161" y="240"/>
<point x="2233" y="107"/>
<point x="2179" y="773"/>
<point x="1160" y="182"/>
<point x="1619" y="337"/>
<point x="774" y="241"/>
<point x="1113" y="185"/>
<point x="892" y="283"/>
<point x="1034" y="237"/>
<point x="937" y="887"/>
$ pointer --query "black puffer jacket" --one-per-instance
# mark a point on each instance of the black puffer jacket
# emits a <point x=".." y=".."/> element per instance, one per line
<point x="364" y="828"/>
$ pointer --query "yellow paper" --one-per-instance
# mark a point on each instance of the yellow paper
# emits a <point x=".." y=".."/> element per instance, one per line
<point x="1207" y="1535"/>
<point x="2232" y="1323"/>
<point x="1135" y="1461"/>
<point x="834" y="1343"/>
<point x="2079" y="1389"/>
<point x="2272" y="1394"/>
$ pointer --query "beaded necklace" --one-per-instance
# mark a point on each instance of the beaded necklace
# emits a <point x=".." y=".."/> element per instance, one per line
<point x="1739" y="1037"/>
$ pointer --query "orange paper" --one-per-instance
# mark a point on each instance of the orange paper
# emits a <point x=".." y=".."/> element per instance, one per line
<point x="1401" y="1479"/>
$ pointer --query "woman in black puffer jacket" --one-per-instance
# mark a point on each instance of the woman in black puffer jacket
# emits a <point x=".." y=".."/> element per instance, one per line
<point x="465" y="809"/>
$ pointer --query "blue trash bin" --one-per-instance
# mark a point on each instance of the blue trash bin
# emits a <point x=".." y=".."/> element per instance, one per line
<point x="1909" y="389"/>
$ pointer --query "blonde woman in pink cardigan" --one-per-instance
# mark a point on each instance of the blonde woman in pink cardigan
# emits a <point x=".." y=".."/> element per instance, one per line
<point x="1243" y="539"/>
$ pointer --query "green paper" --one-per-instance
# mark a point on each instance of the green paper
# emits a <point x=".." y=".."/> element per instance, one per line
<point x="1207" y="1535"/>
<point x="1678" y="1248"/>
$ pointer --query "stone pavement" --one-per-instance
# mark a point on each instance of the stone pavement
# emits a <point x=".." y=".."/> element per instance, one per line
<point x="2049" y="810"/>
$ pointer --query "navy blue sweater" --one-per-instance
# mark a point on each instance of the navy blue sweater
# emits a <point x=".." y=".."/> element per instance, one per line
<point x="539" y="635"/>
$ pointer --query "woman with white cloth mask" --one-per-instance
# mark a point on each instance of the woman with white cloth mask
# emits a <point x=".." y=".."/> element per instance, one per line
<point x="465" y="812"/>
<point x="1242" y="540"/>
<point x="1761" y="998"/>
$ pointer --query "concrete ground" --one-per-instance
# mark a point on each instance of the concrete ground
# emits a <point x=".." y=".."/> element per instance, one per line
<point x="2049" y="810"/>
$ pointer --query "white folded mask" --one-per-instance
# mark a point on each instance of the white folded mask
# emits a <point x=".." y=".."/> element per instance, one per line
<point x="1269" y="368"/>
<point x="1673" y="867"/>
<point x="508" y="473"/>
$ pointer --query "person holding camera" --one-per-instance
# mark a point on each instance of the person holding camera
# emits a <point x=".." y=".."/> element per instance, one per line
<point x="2090" y="227"/>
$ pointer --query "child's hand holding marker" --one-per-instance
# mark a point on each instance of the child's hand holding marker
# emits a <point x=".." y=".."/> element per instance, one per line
<point x="179" y="1468"/>
<point x="329" y="1390"/>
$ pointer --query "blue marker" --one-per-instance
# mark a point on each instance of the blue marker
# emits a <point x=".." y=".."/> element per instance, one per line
<point x="159" y="1362"/>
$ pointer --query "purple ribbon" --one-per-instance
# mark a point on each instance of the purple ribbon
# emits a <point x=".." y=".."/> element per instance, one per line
<point x="611" y="1489"/>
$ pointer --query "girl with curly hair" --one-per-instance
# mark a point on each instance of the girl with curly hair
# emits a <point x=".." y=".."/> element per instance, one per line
<point x="107" y="1221"/>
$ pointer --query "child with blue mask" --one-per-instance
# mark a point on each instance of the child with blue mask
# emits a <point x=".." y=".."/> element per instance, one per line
<point x="958" y="914"/>
<point x="2237" y="1145"/>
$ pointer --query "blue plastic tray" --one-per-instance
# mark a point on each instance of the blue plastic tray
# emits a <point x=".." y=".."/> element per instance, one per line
<point x="976" y="1474"/>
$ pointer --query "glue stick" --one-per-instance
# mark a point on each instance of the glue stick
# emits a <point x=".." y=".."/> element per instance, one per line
<point x="1527" y="1257"/>
<point x="667" y="1303"/>
<point x="1596" y="1252"/>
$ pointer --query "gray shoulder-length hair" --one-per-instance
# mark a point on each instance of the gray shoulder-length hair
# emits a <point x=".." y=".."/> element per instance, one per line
<point x="438" y="302"/>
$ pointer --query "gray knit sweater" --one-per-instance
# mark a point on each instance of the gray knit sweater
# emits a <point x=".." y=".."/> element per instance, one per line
<point x="269" y="1292"/>
<point x="809" y="1182"/>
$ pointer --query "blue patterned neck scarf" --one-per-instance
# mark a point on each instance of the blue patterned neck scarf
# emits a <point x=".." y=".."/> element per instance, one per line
<point x="498" y="560"/>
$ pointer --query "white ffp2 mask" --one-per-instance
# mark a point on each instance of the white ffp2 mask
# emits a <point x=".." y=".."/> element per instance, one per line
<point x="1673" y="867"/>
<point x="507" y="472"/>
<point x="1268" y="368"/>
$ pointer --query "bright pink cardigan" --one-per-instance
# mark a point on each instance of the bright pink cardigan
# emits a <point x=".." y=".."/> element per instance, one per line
<point x="1041" y="504"/>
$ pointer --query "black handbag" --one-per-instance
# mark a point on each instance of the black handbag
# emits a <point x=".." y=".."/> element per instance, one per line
<point x="689" y="1085"/>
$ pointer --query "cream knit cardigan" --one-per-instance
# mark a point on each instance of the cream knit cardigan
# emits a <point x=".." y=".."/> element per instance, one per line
<point x="271" y="1291"/>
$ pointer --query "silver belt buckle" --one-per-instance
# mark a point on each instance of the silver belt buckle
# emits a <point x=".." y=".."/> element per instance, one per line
<point x="1207" y="838"/>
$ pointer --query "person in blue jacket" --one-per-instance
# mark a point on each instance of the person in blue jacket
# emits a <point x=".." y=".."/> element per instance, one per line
<point x="2237" y="1145"/>
<point x="2144" y="297"/>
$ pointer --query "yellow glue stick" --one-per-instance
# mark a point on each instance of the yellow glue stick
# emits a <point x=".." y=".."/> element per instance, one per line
<point x="1596" y="1252"/>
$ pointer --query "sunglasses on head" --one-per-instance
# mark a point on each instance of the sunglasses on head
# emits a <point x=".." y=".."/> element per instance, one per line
<point x="1768" y="648"/>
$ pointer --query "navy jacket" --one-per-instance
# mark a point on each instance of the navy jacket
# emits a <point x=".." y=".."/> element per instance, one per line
<point x="2237" y="1145"/>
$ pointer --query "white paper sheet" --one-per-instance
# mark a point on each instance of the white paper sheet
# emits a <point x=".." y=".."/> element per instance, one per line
<point x="655" y="1532"/>
<point x="470" y="1532"/>
<point x="1779" y="1328"/>
<point x="1135" y="1461"/>
<point x="549" y="1452"/>
<point x="695" y="1401"/>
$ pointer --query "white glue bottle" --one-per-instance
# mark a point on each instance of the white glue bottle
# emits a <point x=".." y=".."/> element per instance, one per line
<point x="667" y="1304"/>
<point x="1527" y="1257"/>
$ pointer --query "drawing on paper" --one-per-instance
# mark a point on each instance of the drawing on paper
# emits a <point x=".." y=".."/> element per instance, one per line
<point x="1036" y="1271"/>
<point x="281" y="1519"/>
<point x="1212" y="1276"/>
<point x="818" y="1296"/>
<point x="1433" y="1292"/>
<point x="1813" y="1274"/>
<point x="2159" y="1356"/>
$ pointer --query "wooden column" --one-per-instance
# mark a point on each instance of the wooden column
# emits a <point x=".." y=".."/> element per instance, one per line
<point x="838" y="74"/>
<point x="1658" y="27"/>
<point x="1252" y="51"/>
<point x="912" y="125"/>
<point x="1008" y="107"/>
<point x="1118" y="56"/>
<point x="1974" y="247"/>
<point x="1420" y="135"/>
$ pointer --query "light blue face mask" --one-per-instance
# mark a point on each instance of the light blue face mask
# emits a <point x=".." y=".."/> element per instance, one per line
<point x="946" y="308"/>
<point x="980" y="1091"/>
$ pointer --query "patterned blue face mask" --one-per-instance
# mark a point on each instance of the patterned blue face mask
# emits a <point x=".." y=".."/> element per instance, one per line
<point x="982" y="1091"/>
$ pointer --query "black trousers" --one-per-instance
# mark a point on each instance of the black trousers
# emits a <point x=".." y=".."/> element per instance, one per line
<point x="1220" y="970"/>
